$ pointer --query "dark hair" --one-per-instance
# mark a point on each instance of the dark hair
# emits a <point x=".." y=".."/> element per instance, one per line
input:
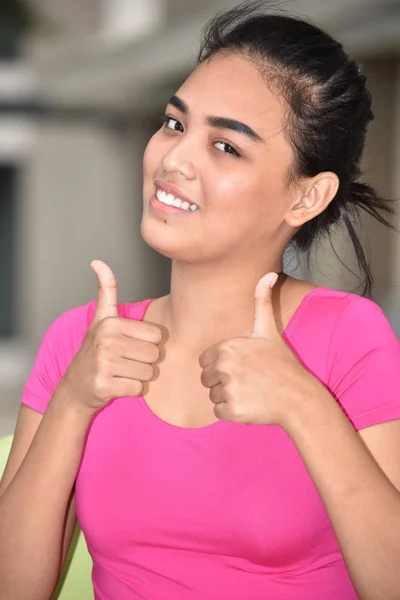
<point x="330" y="108"/>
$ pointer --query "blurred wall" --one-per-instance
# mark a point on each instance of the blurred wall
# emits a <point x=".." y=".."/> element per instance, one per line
<point x="382" y="160"/>
<point x="85" y="200"/>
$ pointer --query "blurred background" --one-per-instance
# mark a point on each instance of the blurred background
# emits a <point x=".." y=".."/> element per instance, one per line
<point x="82" y="84"/>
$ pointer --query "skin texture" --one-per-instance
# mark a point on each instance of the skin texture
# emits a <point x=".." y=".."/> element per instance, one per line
<point x="219" y="255"/>
<point x="247" y="213"/>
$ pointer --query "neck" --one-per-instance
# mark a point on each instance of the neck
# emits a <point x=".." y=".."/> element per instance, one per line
<point x="208" y="304"/>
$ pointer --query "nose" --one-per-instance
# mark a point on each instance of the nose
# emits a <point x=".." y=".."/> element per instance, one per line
<point x="177" y="160"/>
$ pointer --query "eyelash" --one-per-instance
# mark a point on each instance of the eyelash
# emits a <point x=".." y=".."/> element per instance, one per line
<point x="164" y="120"/>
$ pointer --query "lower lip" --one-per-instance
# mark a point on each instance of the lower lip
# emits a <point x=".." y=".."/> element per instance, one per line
<point x="166" y="209"/>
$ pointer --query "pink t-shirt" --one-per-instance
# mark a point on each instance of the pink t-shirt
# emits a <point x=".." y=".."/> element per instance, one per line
<point x="226" y="511"/>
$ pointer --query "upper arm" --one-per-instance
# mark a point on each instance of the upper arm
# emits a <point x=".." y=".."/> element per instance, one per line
<point x="365" y="378"/>
<point x="383" y="441"/>
<point x="363" y="365"/>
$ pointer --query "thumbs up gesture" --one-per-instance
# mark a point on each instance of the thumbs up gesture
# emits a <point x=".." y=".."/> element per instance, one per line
<point x="255" y="379"/>
<point x="117" y="355"/>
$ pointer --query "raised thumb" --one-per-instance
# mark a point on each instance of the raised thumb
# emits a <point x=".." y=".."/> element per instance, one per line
<point x="106" y="291"/>
<point x="264" y="318"/>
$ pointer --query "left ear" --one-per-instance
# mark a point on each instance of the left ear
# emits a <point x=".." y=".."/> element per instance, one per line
<point x="316" y="194"/>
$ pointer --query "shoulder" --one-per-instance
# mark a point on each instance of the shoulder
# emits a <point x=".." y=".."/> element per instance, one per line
<point x="352" y="348"/>
<point x="363" y="358"/>
<point x="355" y="331"/>
<point x="343" y="314"/>
<point x="353" y="319"/>
<point x="332" y="331"/>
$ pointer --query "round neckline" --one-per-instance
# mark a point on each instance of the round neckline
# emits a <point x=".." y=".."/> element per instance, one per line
<point x="217" y="425"/>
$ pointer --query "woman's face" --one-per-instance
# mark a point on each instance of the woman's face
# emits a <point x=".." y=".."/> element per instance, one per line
<point x="223" y="148"/>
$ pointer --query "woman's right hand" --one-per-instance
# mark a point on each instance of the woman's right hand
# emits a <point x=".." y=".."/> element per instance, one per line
<point x="117" y="354"/>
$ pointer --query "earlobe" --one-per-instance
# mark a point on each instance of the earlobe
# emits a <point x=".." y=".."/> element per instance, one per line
<point x="318" y="193"/>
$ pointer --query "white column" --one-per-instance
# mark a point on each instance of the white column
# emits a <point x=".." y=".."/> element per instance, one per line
<point x="131" y="18"/>
<point x="85" y="202"/>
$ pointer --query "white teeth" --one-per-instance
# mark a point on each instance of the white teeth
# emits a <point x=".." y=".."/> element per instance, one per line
<point x="172" y="201"/>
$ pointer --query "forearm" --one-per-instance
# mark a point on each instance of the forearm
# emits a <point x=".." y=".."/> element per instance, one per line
<point x="362" y="504"/>
<point x="34" y="505"/>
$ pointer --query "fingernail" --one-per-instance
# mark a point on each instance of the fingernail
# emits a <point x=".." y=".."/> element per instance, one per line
<point x="273" y="281"/>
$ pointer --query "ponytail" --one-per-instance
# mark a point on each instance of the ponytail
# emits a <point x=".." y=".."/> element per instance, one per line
<point x="362" y="197"/>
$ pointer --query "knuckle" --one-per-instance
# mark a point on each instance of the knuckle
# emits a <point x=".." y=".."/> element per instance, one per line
<point x="236" y="410"/>
<point x="100" y="386"/>
<point x="225" y="353"/>
<point x="102" y="344"/>
<point x="212" y="394"/>
<point x="148" y="372"/>
<point x="99" y="367"/>
<point x="137" y="388"/>
<point x="156" y="334"/>
<point x="154" y="353"/>
<point x="227" y="346"/>
<point x="147" y="331"/>
<point x="226" y="380"/>
<point x="217" y="411"/>
<point x="105" y="343"/>
<point x="224" y="365"/>
<point x="204" y="378"/>
<point x="107" y="325"/>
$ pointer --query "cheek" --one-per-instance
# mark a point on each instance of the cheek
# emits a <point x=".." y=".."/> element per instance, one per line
<point x="244" y="204"/>
<point x="225" y="191"/>
<point x="151" y="160"/>
<point x="236" y="194"/>
<point x="229" y="214"/>
<point x="149" y="151"/>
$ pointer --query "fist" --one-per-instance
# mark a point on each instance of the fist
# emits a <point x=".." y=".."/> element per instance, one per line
<point x="117" y="355"/>
<point x="255" y="379"/>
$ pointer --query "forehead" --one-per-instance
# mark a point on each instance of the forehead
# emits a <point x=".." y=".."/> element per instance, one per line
<point x="232" y="86"/>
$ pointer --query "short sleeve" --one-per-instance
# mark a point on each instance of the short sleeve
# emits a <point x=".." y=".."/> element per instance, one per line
<point x="59" y="345"/>
<point x="364" y="359"/>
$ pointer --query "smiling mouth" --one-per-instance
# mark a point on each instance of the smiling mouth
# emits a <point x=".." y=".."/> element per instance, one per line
<point x="171" y="200"/>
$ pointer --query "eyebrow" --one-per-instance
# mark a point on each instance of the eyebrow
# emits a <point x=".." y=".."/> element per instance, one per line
<point x="220" y="122"/>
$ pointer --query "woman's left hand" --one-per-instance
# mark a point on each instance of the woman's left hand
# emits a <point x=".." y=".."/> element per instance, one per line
<point x="256" y="379"/>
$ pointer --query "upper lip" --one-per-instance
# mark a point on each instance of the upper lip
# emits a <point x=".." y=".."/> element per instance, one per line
<point x="170" y="188"/>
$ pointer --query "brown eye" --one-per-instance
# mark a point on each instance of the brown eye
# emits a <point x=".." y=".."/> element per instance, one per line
<point x="228" y="149"/>
<point x="171" y="123"/>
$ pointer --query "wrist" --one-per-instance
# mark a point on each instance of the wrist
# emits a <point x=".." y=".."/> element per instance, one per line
<point x="310" y="397"/>
<point x="68" y="402"/>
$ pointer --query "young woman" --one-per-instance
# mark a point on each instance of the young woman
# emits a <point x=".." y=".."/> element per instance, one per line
<point x="239" y="437"/>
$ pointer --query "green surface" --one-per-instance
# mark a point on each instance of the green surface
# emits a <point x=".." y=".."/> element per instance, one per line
<point x="75" y="582"/>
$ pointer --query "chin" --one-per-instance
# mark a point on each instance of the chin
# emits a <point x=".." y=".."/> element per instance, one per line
<point x="164" y="241"/>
